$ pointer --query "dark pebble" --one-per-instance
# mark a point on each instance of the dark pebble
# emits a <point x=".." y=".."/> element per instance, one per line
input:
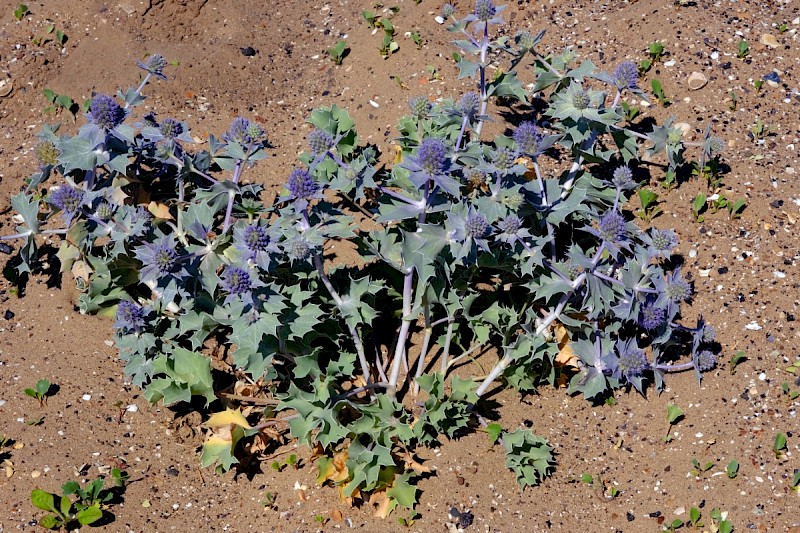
<point x="629" y="516"/>
<point x="248" y="51"/>
<point x="9" y="314"/>
<point x="789" y="317"/>
<point x="5" y="248"/>
<point x="776" y="204"/>
<point x="727" y="65"/>
<point x="172" y="471"/>
<point x="454" y="513"/>
<point x="772" y="76"/>
<point x="655" y="514"/>
<point x="466" y="519"/>
<point x="722" y="270"/>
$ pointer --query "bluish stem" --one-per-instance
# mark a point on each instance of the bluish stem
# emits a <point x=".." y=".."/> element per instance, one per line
<point x="402" y="337"/>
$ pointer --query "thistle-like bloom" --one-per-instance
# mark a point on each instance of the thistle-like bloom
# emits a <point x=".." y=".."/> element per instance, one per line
<point x="104" y="210"/>
<point x="626" y="76"/>
<point x="474" y="177"/>
<point x="510" y="225"/>
<point x="68" y="199"/>
<point x="677" y="289"/>
<point x="476" y="225"/>
<point x="236" y="281"/>
<point x="632" y="361"/>
<point x="319" y="141"/>
<point x="298" y="249"/>
<point x="301" y="186"/>
<point x="715" y="145"/>
<point x="580" y="100"/>
<point x="709" y="333"/>
<point x="243" y="132"/>
<point x="651" y="316"/>
<point x="612" y="227"/>
<point x="154" y="64"/>
<point x="105" y="112"/>
<point x="663" y="241"/>
<point x="160" y="260"/>
<point x="420" y="106"/>
<point x="448" y="10"/>
<point x="130" y="317"/>
<point x="470" y="104"/>
<point x="503" y="159"/>
<point x="431" y="156"/>
<point x="528" y="138"/>
<point x="485" y="10"/>
<point x="255" y="238"/>
<point x="706" y="360"/>
<point x="524" y="40"/>
<point x="622" y="178"/>
<point x="170" y="128"/>
<point x="47" y="153"/>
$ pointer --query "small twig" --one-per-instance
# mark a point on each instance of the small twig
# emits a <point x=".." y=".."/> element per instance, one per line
<point x="249" y="399"/>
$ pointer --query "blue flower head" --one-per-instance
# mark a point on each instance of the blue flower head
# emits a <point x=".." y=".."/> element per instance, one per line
<point x="651" y="316"/>
<point x="320" y="141"/>
<point x="255" y="243"/>
<point x="170" y="128"/>
<point x="622" y="178"/>
<point x="301" y="185"/>
<point x="298" y="249"/>
<point x="160" y="260"/>
<point x="632" y="361"/>
<point x="130" y="317"/>
<point x="706" y="360"/>
<point x="485" y="10"/>
<point x="676" y="288"/>
<point x="243" y="132"/>
<point x="476" y="225"/>
<point x="236" y="281"/>
<point x="431" y="156"/>
<point x="612" y="227"/>
<point x="68" y="199"/>
<point x="46" y="153"/>
<point x="528" y="138"/>
<point x="626" y="76"/>
<point x="154" y="64"/>
<point x="470" y="104"/>
<point x="448" y="10"/>
<point x="105" y="112"/>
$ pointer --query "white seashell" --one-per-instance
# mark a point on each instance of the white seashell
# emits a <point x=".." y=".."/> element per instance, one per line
<point x="696" y="80"/>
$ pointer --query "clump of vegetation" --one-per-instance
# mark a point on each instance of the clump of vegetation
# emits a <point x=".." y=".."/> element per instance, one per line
<point x="464" y="235"/>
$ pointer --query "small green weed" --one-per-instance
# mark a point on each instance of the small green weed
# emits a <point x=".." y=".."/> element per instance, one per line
<point x="658" y="92"/>
<point x="674" y="415"/>
<point x="649" y="205"/>
<point x="338" y="51"/>
<point x="699" y="206"/>
<point x="736" y="359"/>
<point x="20" y="11"/>
<point x="742" y="49"/>
<point x="732" y="469"/>
<point x="779" y="445"/>
<point x="41" y="391"/>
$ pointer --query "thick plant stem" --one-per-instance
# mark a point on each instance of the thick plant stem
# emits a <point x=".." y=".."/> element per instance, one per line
<point x="446" y="347"/>
<point x="482" y="69"/>
<point x="362" y="357"/>
<point x="402" y="337"/>
<point x="425" y="343"/>
<point x="237" y="171"/>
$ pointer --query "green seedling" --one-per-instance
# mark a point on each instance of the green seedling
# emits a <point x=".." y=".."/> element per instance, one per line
<point x="408" y="521"/>
<point x="433" y="74"/>
<point x="758" y="84"/>
<point x="779" y="445"/>
<point x="655" y="51"/>
<point x="35" y="422"/>
<point x="711" y="173"/>
<point x="5" y="441"/>
<point x="338" y="51"/>
<point x="796" y="480"/>
<point x="393" y="10"/>
<point x="88" y="507"/>
<point x="742" y="49"/>
<point x="388" y="44"/>
<point x="320" y="519"/>
<point x="699" y="469"/>
<point x="290" y="461"/>
<point x="793" y="394"/>
<point x="721" y="526"/>
<point x="20" y="11"/>
<point x="494" y="431"/>
<point x="783" y="28"/>
<point x="734" y="101"/>
<point x="649" y="208"/>
<point x="694" y="517"/>
<point x="415" y="37"/>
<point x="40" y="391"/>
<point x="794" y="368"/>
<point x="50" y="34"/>
<point x="732" y="469"/>
<point x="658" y="91"/>
<point x="629" y="112"/>
<point x="759" y="130"/>
<point x="369" y="17"/>
<point x="674" y="415"/>
<point x="675" y="524"/>
<point x="670" y="179"/>
<point x="608" y="490"/>
<point x="269" y="501"/>
<point x="736" y="359"/>
<point x="698" y="206"/>
<point x="58" y="102"/>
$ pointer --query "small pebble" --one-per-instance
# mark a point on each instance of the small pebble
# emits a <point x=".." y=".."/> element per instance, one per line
<point x="9" y="314"/>
<point x="132" y="408"/>
<point x="374" y="104"/>
<point x="248" y="51"/>
<point x="768" y="39"/>
<point x="753" y="326"/>
<point x="439" y="19"/>
<point x="5" y="248"/>
<point x="762" y="376"/>
<point x="86" y="397"/>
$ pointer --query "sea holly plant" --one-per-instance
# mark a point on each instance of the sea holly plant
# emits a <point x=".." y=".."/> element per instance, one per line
<point x="484" y="247"/>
